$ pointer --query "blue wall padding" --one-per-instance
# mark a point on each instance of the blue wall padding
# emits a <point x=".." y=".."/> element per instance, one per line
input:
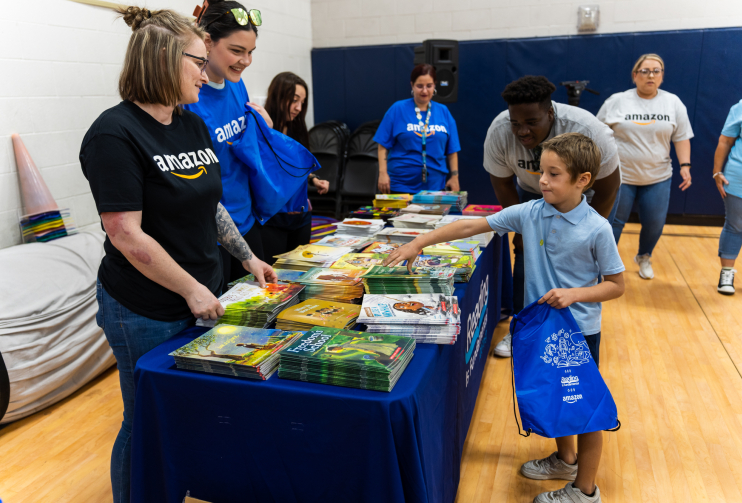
<point x="703" y="67"/>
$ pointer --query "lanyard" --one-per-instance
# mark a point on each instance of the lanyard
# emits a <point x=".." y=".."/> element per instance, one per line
<point x="424" y="131"/>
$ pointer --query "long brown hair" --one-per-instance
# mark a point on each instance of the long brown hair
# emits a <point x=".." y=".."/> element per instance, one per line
<point x="152" y="65"/>
<point x="280" y="96"/>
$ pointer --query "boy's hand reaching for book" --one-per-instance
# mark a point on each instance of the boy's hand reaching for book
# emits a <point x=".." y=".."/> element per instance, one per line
<point x="406" y="252"/>
<point x="559" y="297"/>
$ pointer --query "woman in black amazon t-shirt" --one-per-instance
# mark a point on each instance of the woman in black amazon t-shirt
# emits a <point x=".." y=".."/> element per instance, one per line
<point x="157" y="183"/>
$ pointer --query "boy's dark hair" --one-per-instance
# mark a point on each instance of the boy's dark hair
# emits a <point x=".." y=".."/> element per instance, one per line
<point x="578" y="152"/>
<point x="219" y="22"/>
<point x="529" y="89"/>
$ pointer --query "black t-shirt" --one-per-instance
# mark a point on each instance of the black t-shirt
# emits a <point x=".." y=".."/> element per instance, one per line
<point x="171" y="174"/>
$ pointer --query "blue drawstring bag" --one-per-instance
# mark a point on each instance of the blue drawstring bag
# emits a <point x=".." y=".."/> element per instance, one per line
<point x="277" y="165"/>
<point x="559" y="389"/>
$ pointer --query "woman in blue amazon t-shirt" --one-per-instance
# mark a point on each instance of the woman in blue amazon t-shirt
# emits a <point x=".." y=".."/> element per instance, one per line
<point x="408" y="161"/>
<point x="231" y="33"/>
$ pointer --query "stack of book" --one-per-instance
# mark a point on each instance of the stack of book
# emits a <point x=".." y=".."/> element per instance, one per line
<point x="305" y="257"/>
<point x="47" y="226"/>
<point x="394" y="235"/>
<point x="374" y="212"/>
<point x="360" y="227"/>
<point x="428" y="318"/>
<point x="392" y="200"/>
<point x="398" y="280"/>
<point x="412" y="221"/>
<point x="235" y="351"/>
<point x="462" y="266"/>
<point x="383" y="248"/>
<point x="347" y="358"/>
<point x="345" y="240"/>
<point x="360" y="260"/>
<point x="427" y="209"/>
<point x="248" y="305"/>
<point x="481" y="210"/>
<point x="284" y="276"/>
<point x="457" y="200"/>
<point x="338" y="285"/>
<point x="483" y="238"/>
<point x="318" y="313"/>
<point x="455" y="248"/>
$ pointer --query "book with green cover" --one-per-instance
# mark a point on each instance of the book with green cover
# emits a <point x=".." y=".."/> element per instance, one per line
<point x="284" y="276"/>
<point x="248" y="305"/>
<point x="235" y="350"/>
<point x="347" y="358"/>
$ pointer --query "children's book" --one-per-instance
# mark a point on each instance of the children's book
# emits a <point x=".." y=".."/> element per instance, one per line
<point x="481" y="210"/>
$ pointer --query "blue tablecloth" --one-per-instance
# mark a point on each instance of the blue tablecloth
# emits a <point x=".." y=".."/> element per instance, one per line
<point x="232" y="440"/>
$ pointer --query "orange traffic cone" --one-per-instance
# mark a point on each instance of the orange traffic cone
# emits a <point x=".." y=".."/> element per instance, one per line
<point x="36" y="195"/>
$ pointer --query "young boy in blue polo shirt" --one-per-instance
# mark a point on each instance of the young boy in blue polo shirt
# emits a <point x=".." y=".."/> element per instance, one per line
<point x="567" y="247"/>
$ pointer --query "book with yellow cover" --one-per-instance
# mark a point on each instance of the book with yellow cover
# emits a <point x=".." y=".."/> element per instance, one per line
<point x="318" y="313"/>
<point x="360" y="260"/>
<point x="392" y="200"/>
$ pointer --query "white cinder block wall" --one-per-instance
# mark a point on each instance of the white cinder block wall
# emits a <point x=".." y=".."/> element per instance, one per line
<point x="338" y="23"/>
<point x="61" y="62"/>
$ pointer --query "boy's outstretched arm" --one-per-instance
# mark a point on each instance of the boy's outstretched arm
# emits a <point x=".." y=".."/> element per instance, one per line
<point x="611" y="288"/>
<point x="457" y="230"/>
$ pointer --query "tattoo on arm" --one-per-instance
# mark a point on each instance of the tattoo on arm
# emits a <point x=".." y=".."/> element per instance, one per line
<point x="229" y="237"/>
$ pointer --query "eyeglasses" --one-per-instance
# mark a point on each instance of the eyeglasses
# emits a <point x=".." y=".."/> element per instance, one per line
<point x="202" y="62"/>
<point x="243" y="17"/>
<point x="647" y="71"/>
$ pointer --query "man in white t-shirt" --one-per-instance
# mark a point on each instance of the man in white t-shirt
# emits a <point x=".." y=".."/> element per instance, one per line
<point x="512" y="147"/>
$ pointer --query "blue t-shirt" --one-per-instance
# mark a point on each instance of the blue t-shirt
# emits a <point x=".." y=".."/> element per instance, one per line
<point x="223" y="111"/>
<point x="578" y="244"/>
<point x="400" y="133"/>
<point x="733" y="168"/>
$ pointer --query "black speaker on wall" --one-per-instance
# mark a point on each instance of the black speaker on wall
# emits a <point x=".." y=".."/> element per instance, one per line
<point x="444" y="56"/>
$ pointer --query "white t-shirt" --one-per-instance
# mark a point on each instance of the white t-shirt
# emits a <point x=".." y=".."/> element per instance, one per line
<point x="505" y="155"/>
<point x="643" y="130"/>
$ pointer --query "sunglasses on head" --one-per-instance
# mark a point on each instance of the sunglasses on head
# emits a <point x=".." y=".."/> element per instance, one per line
<point x="242" y="16"/>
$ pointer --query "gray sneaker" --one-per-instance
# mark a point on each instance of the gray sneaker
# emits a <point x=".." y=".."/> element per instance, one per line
<point x="548" y="469"/>
<point x="568" y="494"/>
<point x="645" y="266"/>
<point x="504" y="348"/>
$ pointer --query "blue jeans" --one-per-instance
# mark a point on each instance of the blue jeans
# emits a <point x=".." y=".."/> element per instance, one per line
<point x="130" y="336"/>
<point x="653" y="201"/>
<point x="730" y="241"/>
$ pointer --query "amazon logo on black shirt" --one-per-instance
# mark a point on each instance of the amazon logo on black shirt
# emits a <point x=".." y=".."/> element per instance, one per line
<point x="183" y="161"/>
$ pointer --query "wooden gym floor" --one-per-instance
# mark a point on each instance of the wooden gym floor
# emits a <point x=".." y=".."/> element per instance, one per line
<point x="671" y="354"/>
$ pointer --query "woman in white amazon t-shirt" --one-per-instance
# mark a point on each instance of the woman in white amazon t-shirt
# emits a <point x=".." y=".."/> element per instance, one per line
<point x="645" y="120"/>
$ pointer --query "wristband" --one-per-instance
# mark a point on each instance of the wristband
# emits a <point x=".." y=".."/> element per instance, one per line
<point x="454" y="173"/>
<point x="716" y="174"/>
<point x="685" y="164"/>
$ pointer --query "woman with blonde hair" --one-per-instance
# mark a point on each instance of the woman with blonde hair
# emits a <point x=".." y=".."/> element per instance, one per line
<point x="156" y="183"/>
<point x="645" y="121"/>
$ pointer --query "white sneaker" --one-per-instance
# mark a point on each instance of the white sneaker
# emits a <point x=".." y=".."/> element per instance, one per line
<point x="504" y="348"/>
<point x="568" y="494"/>
<point x="645" y="266"/>
<point x="548" y="469"/>
<point x="726" y="282"/>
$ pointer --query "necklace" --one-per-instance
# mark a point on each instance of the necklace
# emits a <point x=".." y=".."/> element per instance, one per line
<point x="424" y="131"/>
